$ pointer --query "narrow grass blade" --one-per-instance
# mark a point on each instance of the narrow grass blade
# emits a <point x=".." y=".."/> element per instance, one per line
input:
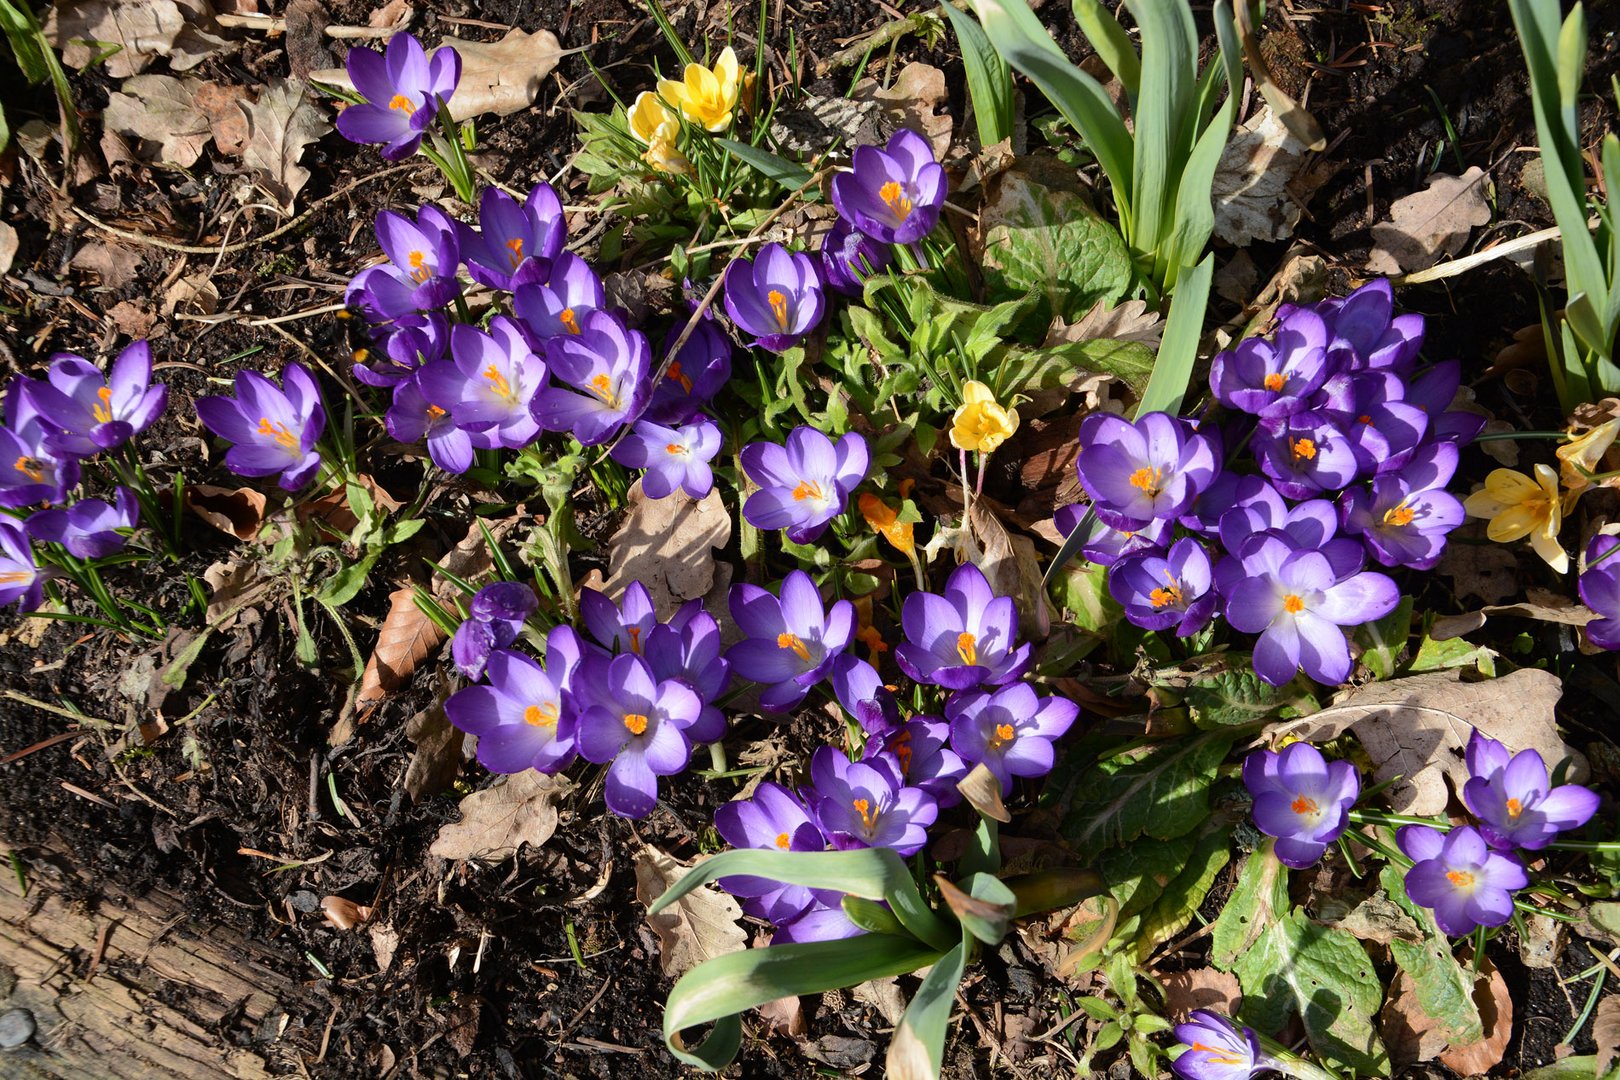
<point x="989" y="78"/>
<point x="773" y="166"/>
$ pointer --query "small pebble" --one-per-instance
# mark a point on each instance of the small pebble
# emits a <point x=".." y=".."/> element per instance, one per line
<point x="16" y="1028"/>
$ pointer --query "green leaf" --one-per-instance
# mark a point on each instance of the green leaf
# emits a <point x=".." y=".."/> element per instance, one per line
<point x="870" y="873"/>
<point x="917" y="1051"/>
<point x="1182" y="897"/>
<point x="1131" y="361"/>
<point x="1571" y="1068"/>
<point x="1445" y="990"/>
<point x="1083" y="592"/>
<point x="1323" y="975"/>
<point x="1435" y="655"/>
<point x="772" y="166"/>
<point x="1385" y="639"/>
<point x="989" y="78"/>
<point x="1240" y="697"/>
<point x="1162" y="792"/>
<point x="717" y="990"/>
<point x="1048" y="240"/>
<point x="1261" y="894"/>
<point x="346" y="584"/>
<point x="1112" y="43"/>
<point x="1137" y="874"/>
<point x="872" y="917"/>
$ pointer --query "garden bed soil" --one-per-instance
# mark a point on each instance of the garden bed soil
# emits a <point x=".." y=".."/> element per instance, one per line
<point x="231" y="812"/>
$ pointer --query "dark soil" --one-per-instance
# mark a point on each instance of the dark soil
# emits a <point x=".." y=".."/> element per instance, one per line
<point x="483" y="981"/>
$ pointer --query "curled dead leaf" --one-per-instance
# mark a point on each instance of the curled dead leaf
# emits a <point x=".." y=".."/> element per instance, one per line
<point x="668" y="545"/>
<point x="344" y="913"/>
<point x="699" y="926"/>
<point x="237" y="511"/>
<point x="1496" y="1012"/>
<point x="515" y="810"/>
<point x="405" y="640"/>
<point x="1431" y="224"/>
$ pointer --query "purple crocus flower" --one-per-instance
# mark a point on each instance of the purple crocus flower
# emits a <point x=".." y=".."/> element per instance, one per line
<point x="805" y="484"/>
<point x="1308" y="526"/>
<point x="1296" y="602"/>
<point x="425" y="255"/>
<point x="922" y="748"/>
<point x="570" y="293"/>
<point x="694" y="377"/>
<point x="607" y="363"/>
<point x="774" y="819"/>
<point x="85" y="413"/>
<point x="1459" y="877"/>
<point x="1403" y="518"/>
<point x="1143" y="472"/>
<point x="1366" y="332"/>
<point x="1228" y="492"/>
<point x="893" y="195"/>
<point x="1272" y="378"/>
<point x="1516" y="804"/>
<point x="29" y="472"/>
<point x="849" y="257"/>
<point x="867" y="804"/>
<point x="1010" y="731"/>
<point x="412" y="417"/>
<point x="21" y="580"/>
<point x="1301" y="798"/>
<point x="1433" y="390"/>
<point x="489" y="384"/>
<point x="407" y="345"/>
<point x="1105" y="545"/>
<point x="776" y="296"/>
<point x="1599" y="587"/>
<point x="967" y="637"/>
<point x="636" y="722"/>
<point x="1218" y="1049"/>
<point x="494" y="620"/>
<point x="1161" y="591"/>
<point x="274" y="429"/>
<point x="792" y="643"/>
<point x="860" y="690"/>
<point x="1383" y="429"/>
<point x="514" y="244"/>
<point x="404" y="91"/>
<point x="89" y="528"/>
<point x="1306" y="456"/>
<point x="520" y="716"/>
<point x="673" y="457"/>
<point x="623" y="627"/>
<point x="687" y="648"/>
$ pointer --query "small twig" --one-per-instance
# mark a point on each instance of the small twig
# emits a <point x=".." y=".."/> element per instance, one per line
<point x="883" y="35"/>
<point x="240" y="245"/>
<point x="101" y="948"/>
<point x="48" y="707"/>
<point x="43" y="744"/>
<point x="92" y="796"/>
<point x="275" y="24"/>
<point x="1478" y="258"/>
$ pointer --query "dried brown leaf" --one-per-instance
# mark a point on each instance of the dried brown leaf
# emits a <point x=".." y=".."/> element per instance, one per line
<point x="1131" y="320"/>
<point x="1010" y="565"/>
<point x="1431" y="224"/>
<point x="159" y="117"/>
<point x="197" y="39"/>
<point x="8" y="246"/>
<point x="407" y="637"/>
<point x="227" y="123"/>
<point x="141" y="29"/>
<point x="912" y="101"/>
<point x="1606" y="1033"/>
<point x="515" y="810"/>
<point x="1415" y="729"/>
<point x="1488" y="572"/>
<point x="394" y="15"/>
<point x="344" y="913"/>
<point x="500" y="77"/>
<point x="233" y="587"/>
<point x="437" y="760"/>
<point x="699" y="926"/>
<point x="194" y="294"/>
<point x="1201" y="988"/>
<point x="113" y="264"/>
<point x="1410" y="1034"/>
<point x="668" y="545"/>
<point x="237" y="511"/>
<point x="1496" y="1013"/>
<point x="280" y="124"/>
<point x="1380" y="919"/>
<point x="1251" y="189"/>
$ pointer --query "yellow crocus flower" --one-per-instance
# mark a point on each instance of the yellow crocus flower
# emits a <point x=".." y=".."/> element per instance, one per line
<point x="1580" y="457"/>
<point x="663" y="155"/>
<point x="706" y="96"/>
<point x="651" y="120"/>
<point x="885" y="521"/>
<point x="1519" y="506"/>
<point x="981" y="424"/>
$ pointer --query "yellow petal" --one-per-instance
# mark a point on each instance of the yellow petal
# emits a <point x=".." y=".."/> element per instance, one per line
<point x="1482" y="504"/>
<point x="1514" y="523"/>
<point x="974" y="391"/>
<point x="1551" y="551"/>
<point x="1510" y="487"/>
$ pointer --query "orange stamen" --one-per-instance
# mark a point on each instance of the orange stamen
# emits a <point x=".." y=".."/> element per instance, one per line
<point x="635" y="723"/>
<point x="894" y="194"/>
<point x="783" y="840"/>
<point x="1514" y="808"/>
<point x="103" y="411"/>
<point x="1004" y="735"/>
<point x="807" y="489"/>
<point x="278" y="431"/>
<point x="778" y="304"/>
<point x="1303" y="805"/>
<point x="1462" y="879"/>
<point x="864" y="808"/>
<point x="1149" y="480"/>
<point x="420" y="271"/>
<point x="635" y="638"/>
<point x="515" y="246"/>
<point x="1293" y="604"/>
<point x="1276" y="381"/>
<point x="497" y="379"/>
<point x="1303" y="448"/>
<point x="541" y="715"/>
<point x="674" y="372"/>
<point x="402" y="103"/>
<point x="786" y="640"/>
<point x="674" y="448"/>
<point x="569" y="320"/>
<point x="967" y="647"/>
<point x="1399" y="515"/>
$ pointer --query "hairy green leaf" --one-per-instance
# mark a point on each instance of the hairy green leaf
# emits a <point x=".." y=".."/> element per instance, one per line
<point x="1323" y="975"/>
<point x="1182" y="897"/>
<point x="1162" y="791"/>
<point x="1048" y="240"/>
<point x="1261" y="894"/>
<point x="1240" y="697"/>
<point x="1444" y="988"/>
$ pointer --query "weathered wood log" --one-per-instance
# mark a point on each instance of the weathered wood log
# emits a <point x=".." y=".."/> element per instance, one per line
<point x="137" y="987"/>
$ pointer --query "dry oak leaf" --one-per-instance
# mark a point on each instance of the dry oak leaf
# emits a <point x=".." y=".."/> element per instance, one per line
<point x="1251" y="186"/>
<point x="1132" y="320"/>
<point x="1496" y="1012"/>
<point x="668" y="545"/>
<point x="1201" y="988"/>
<point x="159" y="116"/>
<point x="438" y="756"/>
<point x="515" y="810"/>
<point x="1415" y="729"/>
<point x="911" y="102"/>
<point x="699" y="926"/>
<point x="500" y="77"/>
<point x="405" y="640"/>
<point x="280" y="124"/>
<point x="141" y="30"/>
<point x="1431" y="224"/>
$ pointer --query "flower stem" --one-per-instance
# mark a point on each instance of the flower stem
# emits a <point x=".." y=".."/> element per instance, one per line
<point x="1494" y="436"/>
<point x="1375" y="817"/>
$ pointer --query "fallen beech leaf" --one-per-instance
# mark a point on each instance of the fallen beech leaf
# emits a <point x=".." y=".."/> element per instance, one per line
<point x="699" y="926"/>
<point x="1487" y="572"/>
<point x="1606" y="1033"/>
<point x="912" y="101"/>
<point x="132" y="320"/>
<point x="1415" y="729"/>
<point x="141" y="30"/>
<point x="1410" y="1034"/>
<point x="1201" y="988"/>
<point x="159" y="117"/>
<point x="1380" y="919"/>
<point x="1431" y="224"/>
<point x="405" y="640"/>
<point x="1548" y="607"/>
<point x="1496" y="1012"/>
<point x="1252" y="183"/>
<point x="344" y="913"/>
<point x="1542" y="943"/>
<point x="668" y="545"/>
<point x="227" y="123"/>
<point x="437" y="760"/>
<point x="194" y="294"/>
<point x="384" y="943"/>
<point x="232" y="587"/>
<point x="8" y="246"/>
<point x="1010" y="565"/>
<point x="784" y="1016"/>
<point x="114" y="265"/>
<point x="501" y="77"/>
<point x="280" y="124"/>
<point x="1131" y="320"/>
<point x="197" y="39"/>
<point x="237" y="511"/>
<point x="394" y="15"/>
<point x="515" y="810"/>
<point x="884" y="995"/>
